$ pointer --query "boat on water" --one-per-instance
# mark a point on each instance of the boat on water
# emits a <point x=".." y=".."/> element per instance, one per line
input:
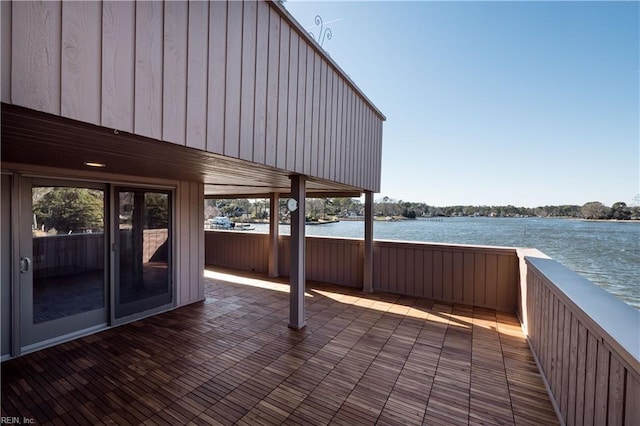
<point x="223" y="222"/>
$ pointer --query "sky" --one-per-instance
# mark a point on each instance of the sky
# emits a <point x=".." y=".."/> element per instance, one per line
<point x="495" y="103"/>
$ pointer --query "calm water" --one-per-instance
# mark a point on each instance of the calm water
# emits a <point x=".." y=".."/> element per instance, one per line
<point x="606" y="253"/>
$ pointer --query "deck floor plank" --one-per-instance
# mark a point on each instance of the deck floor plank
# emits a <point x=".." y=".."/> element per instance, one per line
<point x="362" y="359"/>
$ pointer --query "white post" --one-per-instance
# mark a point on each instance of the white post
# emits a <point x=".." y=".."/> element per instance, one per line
<point x="367" y="284"/>
<point x="274" y="217"/>
<point x="297" y="270"/>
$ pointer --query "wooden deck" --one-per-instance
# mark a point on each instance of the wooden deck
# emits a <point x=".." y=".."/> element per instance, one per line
<point x="362" y="359"/>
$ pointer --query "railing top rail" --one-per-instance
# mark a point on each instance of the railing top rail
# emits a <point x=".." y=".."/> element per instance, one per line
<point x="453" y="246"/>
<point x="617" y="322"/>
<point x="446" y="246"/>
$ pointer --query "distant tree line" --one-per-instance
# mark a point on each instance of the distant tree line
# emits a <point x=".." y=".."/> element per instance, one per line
<point x="332" y="208"/>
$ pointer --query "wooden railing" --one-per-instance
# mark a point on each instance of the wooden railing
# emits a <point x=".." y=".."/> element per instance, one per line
<point x="69" y="253"/>
<point x="60" y="254"/>
<point x="330" y="260"/>
<point x="472" y="275"/>
<point x="587" y="343"/>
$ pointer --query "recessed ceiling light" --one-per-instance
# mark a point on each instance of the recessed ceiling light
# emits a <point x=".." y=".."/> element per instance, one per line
<point x="92" y="164"/>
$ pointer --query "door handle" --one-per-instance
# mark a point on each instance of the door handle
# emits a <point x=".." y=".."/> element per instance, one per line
<point x="25" y="265"/>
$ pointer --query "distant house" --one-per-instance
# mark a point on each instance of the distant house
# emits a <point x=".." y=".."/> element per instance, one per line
<point x="141" y="110"/>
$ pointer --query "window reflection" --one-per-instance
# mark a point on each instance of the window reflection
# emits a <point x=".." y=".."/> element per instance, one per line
<point x="68" y="251"/>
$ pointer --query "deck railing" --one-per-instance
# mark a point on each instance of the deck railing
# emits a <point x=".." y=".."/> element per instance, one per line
<point x="472" y="275"/>
<point x="586" y="341"/>
<point x="64" y="253"/>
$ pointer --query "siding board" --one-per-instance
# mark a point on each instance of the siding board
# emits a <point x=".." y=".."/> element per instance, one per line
<point x="262" y="57"/>
<point x="5" y="60"/>
<point x="184" y="242"/>
<point x="292" y="102"/>
<point x="233" y="81"/>
<point x="217" y="76"/>
<point x="328" y="126"/>
<point x="298" y="165"/>
<point x="339" y="130"/>
<point x="81" y="47"/>
<point x="334" y="126"/>
<point x="438" y="275"/>
<point x="602" y="385"/>
<point x="35" y="55"/>
<point x="273" y="78"/>
<point x="359" y="142"/>
<point x="632" y="396"/>
<point x="322" y="124"/>
<point x="195" y="229"/>
<point x="565" y="366"/>
<point x="458" y="276"/>
<point x="468" y="276"/>
<point x="197" y="74"/>
<point x="315" y="120"/>
<point x="148" y="69"/>
<point x="308" y="111"/>
<point x="590" y="380"/>
<point x="283" y="98"/>
<point x="615" y="404"/>
<point x="491" y="280"/>
<point x="247" y="102"/>
<point x="118" y="64"/>
<point x="479" y="267"/>
<point x="174" y="93"/>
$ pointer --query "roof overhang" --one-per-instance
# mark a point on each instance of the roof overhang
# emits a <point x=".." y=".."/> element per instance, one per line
<point x="36" y="138"/>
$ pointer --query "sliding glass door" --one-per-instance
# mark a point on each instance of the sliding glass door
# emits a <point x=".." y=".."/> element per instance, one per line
<point x="63" y="279"/>
<point x="143" y="250"/>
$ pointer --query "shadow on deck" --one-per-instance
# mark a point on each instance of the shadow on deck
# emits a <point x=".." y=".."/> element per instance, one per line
<point x="362" y="359"/>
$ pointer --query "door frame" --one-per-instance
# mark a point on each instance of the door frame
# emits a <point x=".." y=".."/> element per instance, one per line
<point x="34" y="336"/>
<point x="115" y="251"/>
<point x="18" y="174"/>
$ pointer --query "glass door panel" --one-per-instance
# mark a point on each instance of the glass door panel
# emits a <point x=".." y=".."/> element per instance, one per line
<point x="63" y="274"/>
<point x="143" y="257"/>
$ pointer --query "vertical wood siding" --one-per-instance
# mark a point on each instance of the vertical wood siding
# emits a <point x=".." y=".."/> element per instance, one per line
<point x="189" y="242"/>
<point x="234" y="78"/>
<point x="118" y="65"/>
<point x="5" y="59"/>
<point x="80" y="80"/>
<point x="36" y="30"/>
<point x="479" y="276"/>
<point x="592" y="382"/>
<point x="149" y="69"/>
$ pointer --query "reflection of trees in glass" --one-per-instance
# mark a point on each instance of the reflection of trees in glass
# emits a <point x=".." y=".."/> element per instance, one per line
<point x="69" y="209"/>
<point x="156" y="210"/>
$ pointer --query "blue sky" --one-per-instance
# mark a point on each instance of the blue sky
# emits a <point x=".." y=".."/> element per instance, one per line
<point x="495" y="103"/>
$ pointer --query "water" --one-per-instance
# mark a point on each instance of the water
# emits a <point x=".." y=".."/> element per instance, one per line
<point x="606" y="253"/>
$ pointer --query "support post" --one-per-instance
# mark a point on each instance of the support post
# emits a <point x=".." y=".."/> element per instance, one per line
<point x="367" y="281"/>
<point x="274" y="217"/>
<point x="297" y="270"/>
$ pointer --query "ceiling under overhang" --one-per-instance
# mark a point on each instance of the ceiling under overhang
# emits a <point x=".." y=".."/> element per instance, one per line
<point x="36" y="138"/>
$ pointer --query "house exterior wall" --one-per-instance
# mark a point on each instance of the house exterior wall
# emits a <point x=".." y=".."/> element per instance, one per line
<point x="240" y="79"/>
<point x="188" y="244"/>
